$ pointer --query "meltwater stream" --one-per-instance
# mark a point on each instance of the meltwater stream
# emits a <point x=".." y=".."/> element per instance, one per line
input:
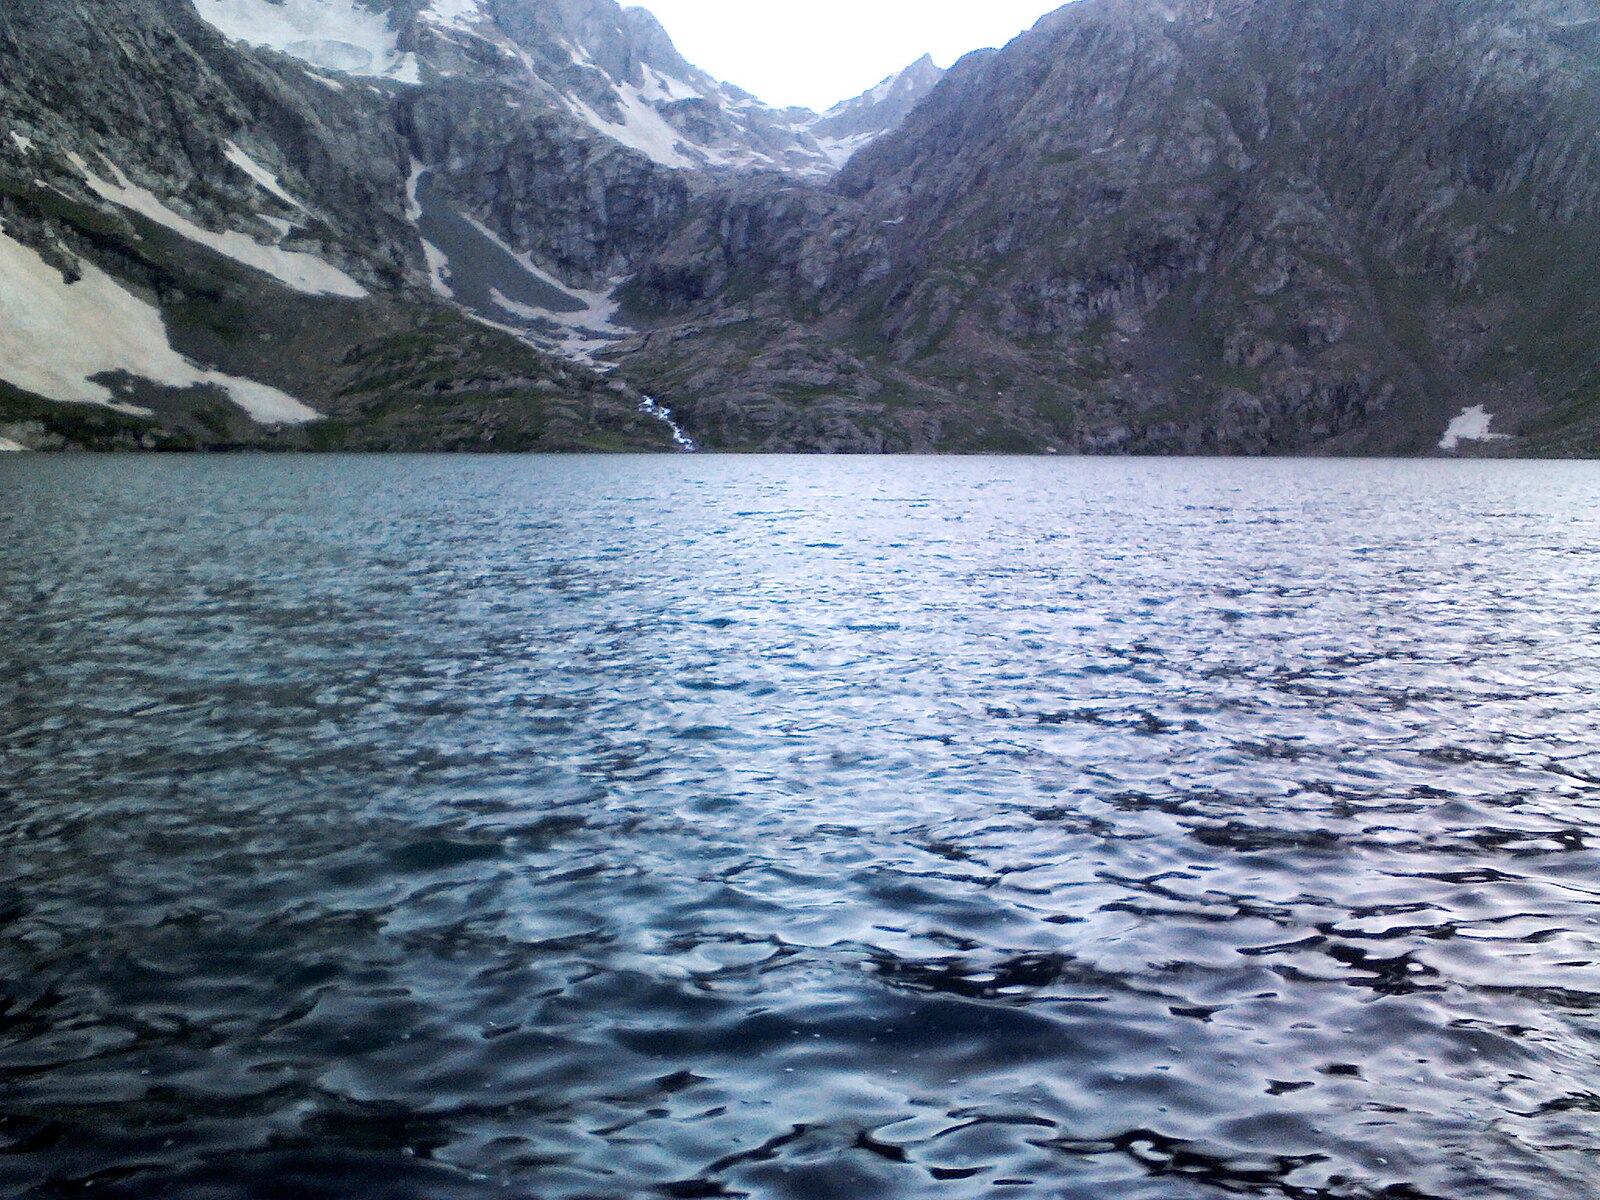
<point x="690" y="827"/>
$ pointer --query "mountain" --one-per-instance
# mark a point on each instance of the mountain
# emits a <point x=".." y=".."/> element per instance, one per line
<point x="1252" y="226"/>
<point x="353" y="223"/>
<point x="853" y="124"/>
<point x="205" y="245"/>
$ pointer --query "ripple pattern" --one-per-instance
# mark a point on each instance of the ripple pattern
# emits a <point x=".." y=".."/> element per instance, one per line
<point x="607" y="828"/>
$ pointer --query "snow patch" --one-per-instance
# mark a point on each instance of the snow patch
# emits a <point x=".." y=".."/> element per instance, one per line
<point x="55" y="337"/>
<point x="642" y="128"/>
<point x="1471" y="426"/>
<point x="336" y="35"/>
<point x="438" y="262"/>
<point x="579" y="334"/>
<point x="263" y="178"/>
<point x="549" y="315"/>
<point x="840" y="150"/>
<point x="7" y="446"/>
<point x="413" y="202"/>
<point x="25" y="144"/>
<point x="303" y="272"/>
<point x="598" y="311"/>
<point x="438" y="270"/>
<point x="455" y="14"/>
<point x="660" y="87"/>
<point x="406" y="71"/>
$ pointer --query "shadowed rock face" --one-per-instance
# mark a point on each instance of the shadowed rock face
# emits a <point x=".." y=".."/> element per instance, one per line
<point x="1247" y="226"/>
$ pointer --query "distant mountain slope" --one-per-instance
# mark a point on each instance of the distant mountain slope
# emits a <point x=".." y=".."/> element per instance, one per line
<point x="853" y="124"/>
<point x="613" y="69"/>
<point x="1177" y="225"/>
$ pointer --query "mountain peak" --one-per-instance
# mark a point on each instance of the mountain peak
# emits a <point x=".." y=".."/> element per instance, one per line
<point x="861" y="120"/>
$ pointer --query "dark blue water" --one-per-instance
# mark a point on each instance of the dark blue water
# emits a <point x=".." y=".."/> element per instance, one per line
<point x="614" y="828"/>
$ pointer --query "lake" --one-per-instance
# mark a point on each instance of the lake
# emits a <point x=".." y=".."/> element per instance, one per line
<point x="799" y="829"/>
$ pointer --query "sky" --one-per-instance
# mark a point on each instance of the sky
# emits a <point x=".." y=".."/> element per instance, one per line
<point x="818" y="52"/>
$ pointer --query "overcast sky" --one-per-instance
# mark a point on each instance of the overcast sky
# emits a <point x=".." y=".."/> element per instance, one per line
<point x="818" y="52"/>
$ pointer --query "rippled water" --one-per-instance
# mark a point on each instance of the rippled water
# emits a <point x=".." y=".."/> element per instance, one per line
<point x="420" y="828"/>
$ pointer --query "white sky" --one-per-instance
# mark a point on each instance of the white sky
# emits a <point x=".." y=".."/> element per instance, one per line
<point x="818" y="52"/>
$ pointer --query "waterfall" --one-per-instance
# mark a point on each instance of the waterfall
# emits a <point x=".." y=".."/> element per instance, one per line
<point x="660" y="412"/>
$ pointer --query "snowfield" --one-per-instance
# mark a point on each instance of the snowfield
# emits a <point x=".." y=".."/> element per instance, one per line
<point x="55" y="337"/>
<point x="642" y="128"/>
<point x="335" y="35"/>
<point x="303" y="272"/>
<point x="455" y="14"/>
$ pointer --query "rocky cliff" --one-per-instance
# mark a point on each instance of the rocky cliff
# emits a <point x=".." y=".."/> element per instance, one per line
<point x="1246" y="226"/>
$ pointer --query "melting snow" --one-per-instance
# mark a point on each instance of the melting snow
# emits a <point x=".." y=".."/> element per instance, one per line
<point x="336" y="35"/>
<point x="642" y="127"/>
<point x="543" y="311"/>
<point x="263" y="178"/>
<point x="438" y="261"/>
<point x="25" y="144"/>
<point x="579" y="333"/>
<point x="7" y="446"/>
<point x="302" y="272"/>
<point x="1471" y="426"/>
<point x="598" y="307"/>
<point x="55" y="337"/>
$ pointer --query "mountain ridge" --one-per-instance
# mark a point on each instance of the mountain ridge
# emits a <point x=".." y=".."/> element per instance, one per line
<point x="1193" y="226"/>
<point x="1246" y="227"/>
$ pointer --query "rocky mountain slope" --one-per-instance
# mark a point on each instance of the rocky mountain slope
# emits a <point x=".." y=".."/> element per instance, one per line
<point x="1257" y="226"/>
<point x="202" y="246"/>
<point x="363" y="223"/>
<point x="1177" y="226"/>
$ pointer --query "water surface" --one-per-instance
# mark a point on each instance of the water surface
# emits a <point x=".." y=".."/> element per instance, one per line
<point x="798" y="829"/>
